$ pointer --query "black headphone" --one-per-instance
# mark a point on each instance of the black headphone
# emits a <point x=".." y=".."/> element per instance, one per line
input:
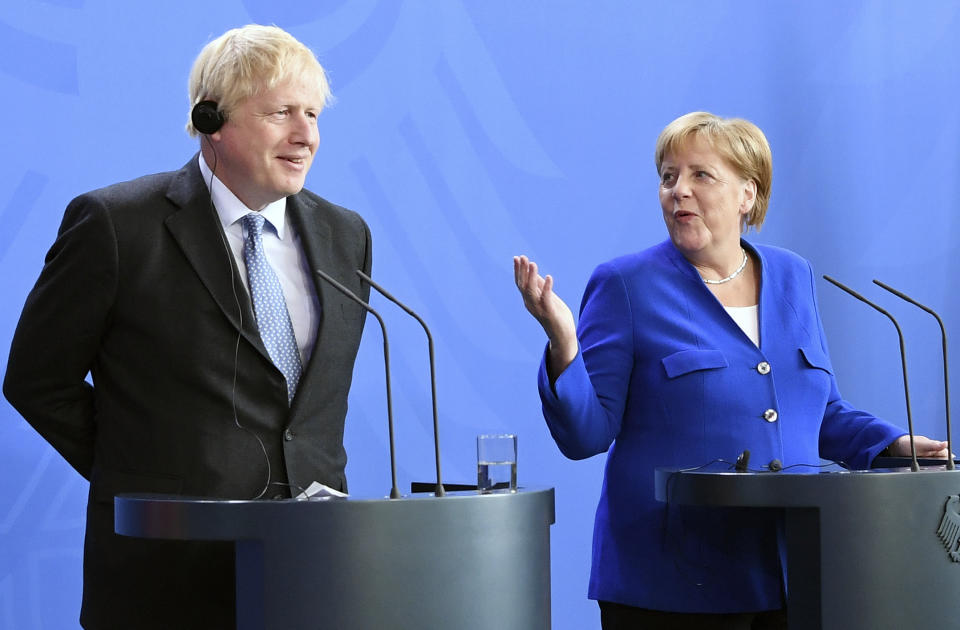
<point x="207" y="118"/>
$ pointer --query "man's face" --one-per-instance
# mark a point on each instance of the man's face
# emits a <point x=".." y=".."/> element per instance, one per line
<point x="266" y="147"/>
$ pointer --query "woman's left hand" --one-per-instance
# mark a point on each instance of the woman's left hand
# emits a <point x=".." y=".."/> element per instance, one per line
<point x="926" y="447"/>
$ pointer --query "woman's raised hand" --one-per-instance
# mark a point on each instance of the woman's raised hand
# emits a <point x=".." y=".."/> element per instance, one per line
<point x="548" y="309"/>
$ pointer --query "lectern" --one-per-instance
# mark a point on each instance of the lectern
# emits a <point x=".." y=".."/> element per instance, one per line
<point x="465" y="561"/>
<point x="864" y="550"/>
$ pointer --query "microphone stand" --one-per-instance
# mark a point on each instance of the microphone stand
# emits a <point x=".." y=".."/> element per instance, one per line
<point x="394" y="492"/>
<point x="438" y="491"/>
<point x="914" y="466"/>
<point x="946" y="378"/>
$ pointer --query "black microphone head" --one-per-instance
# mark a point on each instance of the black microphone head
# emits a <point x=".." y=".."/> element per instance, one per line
<point x="775" y="465"/>
<point x="743" y="461"/>
<point x="207" y="117"/>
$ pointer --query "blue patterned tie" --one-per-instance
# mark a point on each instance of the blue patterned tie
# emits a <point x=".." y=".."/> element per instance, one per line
<point x="273" y="319"/>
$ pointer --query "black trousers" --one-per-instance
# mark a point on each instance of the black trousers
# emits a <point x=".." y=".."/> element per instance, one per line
<point x="621" y="617"/>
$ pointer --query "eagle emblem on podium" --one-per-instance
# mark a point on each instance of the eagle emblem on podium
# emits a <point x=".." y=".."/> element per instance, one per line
<point x="949" y="530"/>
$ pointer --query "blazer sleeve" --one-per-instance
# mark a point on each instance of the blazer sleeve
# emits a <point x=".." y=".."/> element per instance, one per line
<point x="584" y="408"/>
<point x="59" y="332"/>
<point x="847" y="434"/>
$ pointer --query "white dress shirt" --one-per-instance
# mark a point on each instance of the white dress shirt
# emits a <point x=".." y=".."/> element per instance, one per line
<point x="281" y="244"/>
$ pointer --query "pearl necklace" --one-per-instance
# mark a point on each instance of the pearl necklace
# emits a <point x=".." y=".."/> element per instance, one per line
<point x="743" y="265"/>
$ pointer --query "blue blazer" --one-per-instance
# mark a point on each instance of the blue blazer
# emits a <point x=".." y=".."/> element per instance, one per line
<point x="667" y="377"/>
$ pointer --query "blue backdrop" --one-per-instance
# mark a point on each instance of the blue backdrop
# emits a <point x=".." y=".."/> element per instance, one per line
<point x="467" y="131"/>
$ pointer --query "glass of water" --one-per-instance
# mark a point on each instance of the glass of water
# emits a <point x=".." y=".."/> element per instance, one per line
<point x="497" y="463"/>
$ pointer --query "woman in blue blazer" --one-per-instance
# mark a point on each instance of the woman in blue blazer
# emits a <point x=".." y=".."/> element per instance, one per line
<point x="690" y="351"/>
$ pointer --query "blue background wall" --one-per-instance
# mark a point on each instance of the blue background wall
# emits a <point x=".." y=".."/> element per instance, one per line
<point x="467" y="131"/>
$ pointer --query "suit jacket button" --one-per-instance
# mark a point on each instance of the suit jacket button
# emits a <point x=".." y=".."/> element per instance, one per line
<point x="288" y="435"/>
<point x="763" y="367"/>
<point x="770" y="415"/>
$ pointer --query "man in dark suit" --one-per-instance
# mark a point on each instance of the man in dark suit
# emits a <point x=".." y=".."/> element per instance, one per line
<point x="158" y="290"/>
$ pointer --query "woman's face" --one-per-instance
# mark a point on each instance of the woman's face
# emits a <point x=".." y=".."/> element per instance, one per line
<point x="703" y="199"/>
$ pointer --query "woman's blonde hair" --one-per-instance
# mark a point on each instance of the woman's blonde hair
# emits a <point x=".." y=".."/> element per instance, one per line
<point x="738" y="141"/>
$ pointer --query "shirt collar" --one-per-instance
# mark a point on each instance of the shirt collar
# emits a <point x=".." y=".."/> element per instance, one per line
<point x="230" y="209"/>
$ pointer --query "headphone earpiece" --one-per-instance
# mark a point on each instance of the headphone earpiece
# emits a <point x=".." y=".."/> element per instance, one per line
<point x="206" y="117"/>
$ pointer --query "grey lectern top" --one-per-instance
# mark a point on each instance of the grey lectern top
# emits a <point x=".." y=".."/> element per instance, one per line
<point x="866" y="550"/>
<point x="464" y="561"/>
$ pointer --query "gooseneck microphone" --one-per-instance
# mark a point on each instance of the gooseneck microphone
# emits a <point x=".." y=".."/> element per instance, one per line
<point x="394" y="492"/>
<point x="914" y="466"/>
<point x="946" y="378"/>
<point x="438" y="491"/>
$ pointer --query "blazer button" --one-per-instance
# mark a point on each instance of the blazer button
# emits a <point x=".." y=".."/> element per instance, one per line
<point x="770" y="415"/>
<point x="288" y="435"/>
<point x="763" y="367"/>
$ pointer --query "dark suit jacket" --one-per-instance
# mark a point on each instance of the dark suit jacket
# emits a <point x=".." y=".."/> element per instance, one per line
<point x="139" y="291"/>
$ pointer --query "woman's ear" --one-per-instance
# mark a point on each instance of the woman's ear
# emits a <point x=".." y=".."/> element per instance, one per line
<point x="749" y="196"/>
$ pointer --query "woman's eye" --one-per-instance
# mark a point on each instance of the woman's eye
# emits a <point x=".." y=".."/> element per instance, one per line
<point x="666" y="178"/>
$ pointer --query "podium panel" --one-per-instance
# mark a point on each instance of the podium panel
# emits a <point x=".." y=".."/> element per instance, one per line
<point x="863" y="548"/>
<point x="465" y="561"/>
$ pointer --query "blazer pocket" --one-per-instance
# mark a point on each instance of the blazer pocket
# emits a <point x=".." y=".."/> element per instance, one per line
<point x="686" y="361"/>
<point x="816" y="358"/>
<point x="109" y="483"/>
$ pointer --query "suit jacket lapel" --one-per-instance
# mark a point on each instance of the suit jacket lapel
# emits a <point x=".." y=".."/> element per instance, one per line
<point x="197" y="230"/>
<point x="315" y="235"/>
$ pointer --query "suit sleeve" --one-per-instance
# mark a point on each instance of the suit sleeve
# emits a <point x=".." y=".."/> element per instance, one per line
<point x="58" y="336"/>
<point x="847" y="434"/>
<point x="584" y="408"/>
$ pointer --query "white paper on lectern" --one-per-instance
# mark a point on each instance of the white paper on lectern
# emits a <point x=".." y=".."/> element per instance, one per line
<point x="317" y="490"/>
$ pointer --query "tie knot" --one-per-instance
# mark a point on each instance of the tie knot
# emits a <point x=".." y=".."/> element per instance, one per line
<point x="253" y="222"/>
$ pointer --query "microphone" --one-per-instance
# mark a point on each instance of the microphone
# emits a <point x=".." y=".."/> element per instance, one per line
<point x="743" y="461"/>
<point x="946" y="379"/>
<point x="438" y="491"/>
<point x="914" y="466"/>
<point x="394" y="492"/>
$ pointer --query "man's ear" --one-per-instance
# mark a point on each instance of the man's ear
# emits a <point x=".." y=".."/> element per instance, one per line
<point x="207" y="117"/>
